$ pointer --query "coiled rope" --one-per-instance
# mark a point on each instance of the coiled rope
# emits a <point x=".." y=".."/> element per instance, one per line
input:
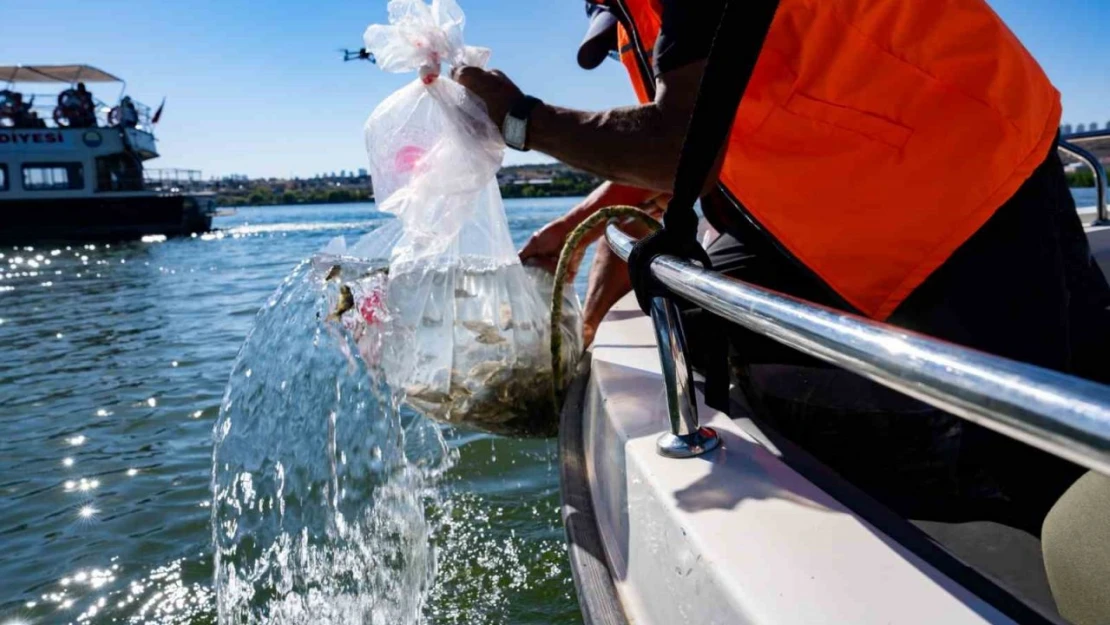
<point x="561" y="271"/>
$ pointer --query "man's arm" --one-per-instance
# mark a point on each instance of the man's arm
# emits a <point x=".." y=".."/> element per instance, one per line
<point x="609" y="281"/>
<point x="544" y="247"/>
<point x="637" y="146"/>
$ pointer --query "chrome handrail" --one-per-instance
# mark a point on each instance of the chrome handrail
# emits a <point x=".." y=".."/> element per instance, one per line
<point x="1061" y="414"/>
<point x="687" y="438"/>
<point x="1067" y="145"/>
<point x="1086" y="135"/>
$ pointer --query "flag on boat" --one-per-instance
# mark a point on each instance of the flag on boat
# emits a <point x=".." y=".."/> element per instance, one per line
<point x="158" y="113"/>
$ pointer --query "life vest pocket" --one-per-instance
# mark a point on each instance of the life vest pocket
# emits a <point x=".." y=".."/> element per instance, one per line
<point x="872" y="126"/>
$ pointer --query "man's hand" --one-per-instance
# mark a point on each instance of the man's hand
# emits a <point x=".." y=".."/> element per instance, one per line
<point x="609" y="274"/>
<point x="544" y="247"/>
<point x="494" y="88"/>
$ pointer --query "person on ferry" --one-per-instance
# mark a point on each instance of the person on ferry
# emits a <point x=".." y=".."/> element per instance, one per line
<point x="34" y="121"/>
<point x="17" y="112"/>
<point x="892" y="159"/>
<point x="86" y="113"/>
<point x="128" y="114"/>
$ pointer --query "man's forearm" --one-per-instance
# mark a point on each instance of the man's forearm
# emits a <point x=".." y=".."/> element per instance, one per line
<point x="608" y="281"/>
<point x="636" y="146"/>
<point x="606" y="194"/>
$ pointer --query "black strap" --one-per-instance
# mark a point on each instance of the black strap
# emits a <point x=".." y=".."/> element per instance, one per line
<point x="728" y="69"/>
<point x="732" y="58"/>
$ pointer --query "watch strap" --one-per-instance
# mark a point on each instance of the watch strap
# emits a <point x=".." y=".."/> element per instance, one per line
<point x="522" y="108"/>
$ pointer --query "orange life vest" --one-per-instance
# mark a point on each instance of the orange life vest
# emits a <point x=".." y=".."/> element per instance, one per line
<point x="875" y="136"/>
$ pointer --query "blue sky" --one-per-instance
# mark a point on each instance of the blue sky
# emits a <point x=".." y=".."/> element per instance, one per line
<point x="257" y="87"/>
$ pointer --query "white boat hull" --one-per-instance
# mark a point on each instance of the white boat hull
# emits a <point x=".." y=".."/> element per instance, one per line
<point x="737" y="535"/>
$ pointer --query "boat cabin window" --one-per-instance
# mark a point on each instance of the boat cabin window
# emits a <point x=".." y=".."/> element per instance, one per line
<point x="118" y="172"/>
<point x="53" y="176"/>
<point x="3" y="177"/>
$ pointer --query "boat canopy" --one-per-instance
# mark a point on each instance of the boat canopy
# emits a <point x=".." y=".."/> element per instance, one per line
<point x="55" y="73"/>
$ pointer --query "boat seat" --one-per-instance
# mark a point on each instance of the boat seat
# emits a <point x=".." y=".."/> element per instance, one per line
<point x="1009" y="555"/>
<point x="1098" y="237"/>
<point x="1076" y="537"/>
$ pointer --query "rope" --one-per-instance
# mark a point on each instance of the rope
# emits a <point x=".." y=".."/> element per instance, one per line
<point x="565" y="256"/>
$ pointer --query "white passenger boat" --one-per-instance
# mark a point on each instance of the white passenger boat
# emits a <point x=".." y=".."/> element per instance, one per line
<point x="71" y="166"/>
<point x="735" y="524"/>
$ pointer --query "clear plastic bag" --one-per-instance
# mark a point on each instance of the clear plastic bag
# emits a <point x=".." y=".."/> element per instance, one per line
<point x="445" y="309"/>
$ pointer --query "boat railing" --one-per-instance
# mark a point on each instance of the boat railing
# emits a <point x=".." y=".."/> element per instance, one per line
<point x="1069" y="144"/>
<point x="173" y="180"/>
<point x="1061" y="414"/>
<point x="44" y="104"/>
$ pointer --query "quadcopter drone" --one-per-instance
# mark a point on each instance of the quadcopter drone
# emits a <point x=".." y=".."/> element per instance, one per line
<point x="361" y="55"/>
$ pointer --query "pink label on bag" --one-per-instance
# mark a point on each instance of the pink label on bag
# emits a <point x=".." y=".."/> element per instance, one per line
<point x="371" y="308"/>
<point x="406" y="158"/>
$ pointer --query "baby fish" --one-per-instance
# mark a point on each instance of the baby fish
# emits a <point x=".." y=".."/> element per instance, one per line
<point x="458" y="391"/>
<point x="333" y="273"/>
<point x="345" y="303"/>
<point x="485" y="370"/>
<point x="490" y="336"/>
<point x="478" y="326"/>
<point x="487" y="332"/>
<point x="423" y="392"/>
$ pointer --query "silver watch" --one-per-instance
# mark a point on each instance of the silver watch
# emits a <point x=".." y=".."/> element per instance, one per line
<point x="515" y="127"/>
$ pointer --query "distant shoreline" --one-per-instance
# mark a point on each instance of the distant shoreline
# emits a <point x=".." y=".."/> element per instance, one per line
<point x="1082" y="179"/>
<point x="517" y="181"/>
<point x="508" y="192"/>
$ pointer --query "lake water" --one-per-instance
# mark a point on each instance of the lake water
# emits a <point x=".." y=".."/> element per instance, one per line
<point x="116" y="360"/>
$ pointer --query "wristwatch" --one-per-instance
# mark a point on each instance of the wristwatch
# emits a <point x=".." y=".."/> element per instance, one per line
<point x="515" y="127"/>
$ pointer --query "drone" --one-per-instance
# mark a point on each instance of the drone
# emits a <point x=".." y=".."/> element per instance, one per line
<point x="360" y="55"/>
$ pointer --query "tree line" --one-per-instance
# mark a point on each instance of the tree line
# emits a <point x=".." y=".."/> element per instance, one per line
<point x="263" y="196"/>
<point x="1081" y="178"/>
<point x="568" y="186"/>
<point x="563" y="186"/>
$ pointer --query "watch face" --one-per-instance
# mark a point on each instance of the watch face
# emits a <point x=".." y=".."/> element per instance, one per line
<point x="515" y="131"/>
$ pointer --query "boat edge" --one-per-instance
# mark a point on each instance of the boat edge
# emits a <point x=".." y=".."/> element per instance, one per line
<point x="597" y="594"/>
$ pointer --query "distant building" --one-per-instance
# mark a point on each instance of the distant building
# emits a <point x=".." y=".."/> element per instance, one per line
<point x="362" y="173"/>
<point x="1066" y="129"/>
<point x="1080" y="128"/>
<point x="342" y="173"/>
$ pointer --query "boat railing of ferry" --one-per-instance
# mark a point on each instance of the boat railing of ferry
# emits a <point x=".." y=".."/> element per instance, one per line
<point x="72" y="164"/>
<point x="678" y="513"/>
<point x="173" y="180"/>
<point x="45" y="106"/>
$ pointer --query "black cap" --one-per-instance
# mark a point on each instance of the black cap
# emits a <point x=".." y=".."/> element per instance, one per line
<point x="601" y="38"/>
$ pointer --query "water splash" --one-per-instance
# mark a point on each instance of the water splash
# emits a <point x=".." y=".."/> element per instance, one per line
<point x="325" y="493"/>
